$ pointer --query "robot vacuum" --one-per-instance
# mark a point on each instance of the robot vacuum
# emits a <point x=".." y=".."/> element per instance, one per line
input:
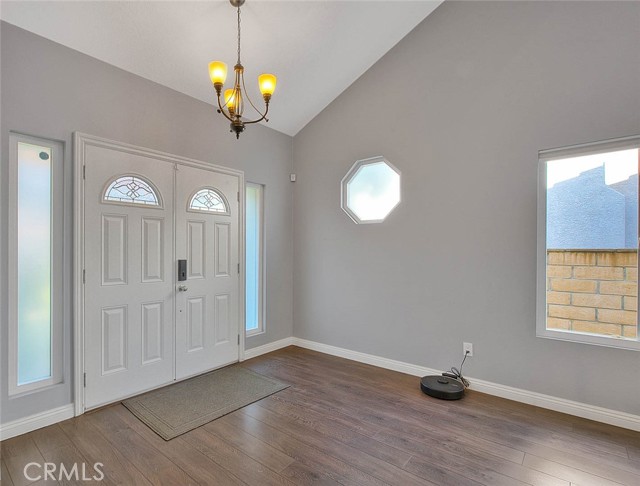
<point x="443" y="387"/>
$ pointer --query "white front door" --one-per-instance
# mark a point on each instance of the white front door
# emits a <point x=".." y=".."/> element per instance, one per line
<point x="207" y="238"/>
<point x="129" y="289"/>
<point x="143" y="327"/>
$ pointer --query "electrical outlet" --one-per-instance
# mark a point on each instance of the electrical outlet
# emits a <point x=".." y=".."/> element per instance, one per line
<point x="467" y="349"/>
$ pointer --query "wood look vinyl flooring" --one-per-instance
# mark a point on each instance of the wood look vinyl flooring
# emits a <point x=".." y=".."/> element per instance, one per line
<point x="341" y="422"/>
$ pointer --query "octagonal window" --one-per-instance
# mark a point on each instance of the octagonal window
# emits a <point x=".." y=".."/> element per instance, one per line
<point x="371" y="190"/>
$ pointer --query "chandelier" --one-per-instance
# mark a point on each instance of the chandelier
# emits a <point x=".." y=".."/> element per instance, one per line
<point x="234" y="98"/>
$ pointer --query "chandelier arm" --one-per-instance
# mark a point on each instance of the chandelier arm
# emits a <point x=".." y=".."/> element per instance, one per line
<point x="238" y="94"/>
<point x="223" y="106"/>
<point x="225" y="103"/>
<point x="221" y="110"/>
<point x="246" y="93"/>
<point x="263" y="117"/>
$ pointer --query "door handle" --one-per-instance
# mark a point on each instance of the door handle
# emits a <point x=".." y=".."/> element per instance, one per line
<point x="182" y="288"/>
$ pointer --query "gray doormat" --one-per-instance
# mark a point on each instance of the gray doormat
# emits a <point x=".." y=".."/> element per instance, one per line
<point x="179" y="408"/>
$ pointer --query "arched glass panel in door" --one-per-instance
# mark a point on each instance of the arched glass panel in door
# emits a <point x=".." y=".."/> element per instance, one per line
<point x="130" y="189"/>
<point x="208" y="200"/>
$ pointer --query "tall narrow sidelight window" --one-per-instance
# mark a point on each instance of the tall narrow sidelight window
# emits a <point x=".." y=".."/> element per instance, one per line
<point x="35" y="257"/>
<point x="254" y="314"/>
<point x="588" y="243"/>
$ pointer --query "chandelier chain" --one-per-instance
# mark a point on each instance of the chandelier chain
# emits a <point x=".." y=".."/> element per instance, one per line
<point x="238" y="35"/>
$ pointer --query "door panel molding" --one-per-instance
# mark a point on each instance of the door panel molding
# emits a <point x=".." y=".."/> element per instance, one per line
<point x="221" y="319"/>
<point x="152" y="249"/>
<point x="152" y="332"/>
<point x="114" y="249"/>
<point x="81" y="143"/>
<point x="196" y="315"/>
<point x="196" y="249"/>
<point x="222" y="249"/>
<point x="114" y="339"/>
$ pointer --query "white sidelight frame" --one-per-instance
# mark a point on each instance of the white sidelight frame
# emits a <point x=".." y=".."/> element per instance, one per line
<point x="80" y="142"/>
<point x="545" y="156"/>
<point x="262" y="301"/>
<point x="57" y="255"/>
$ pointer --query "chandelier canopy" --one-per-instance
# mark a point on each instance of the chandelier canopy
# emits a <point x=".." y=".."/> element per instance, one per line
<point x="234" y="98"/>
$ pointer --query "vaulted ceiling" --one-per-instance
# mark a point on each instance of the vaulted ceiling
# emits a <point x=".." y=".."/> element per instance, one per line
<point x="316" y="48"/>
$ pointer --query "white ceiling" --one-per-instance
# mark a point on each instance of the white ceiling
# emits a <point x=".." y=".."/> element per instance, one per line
<point x="316" y="48"/>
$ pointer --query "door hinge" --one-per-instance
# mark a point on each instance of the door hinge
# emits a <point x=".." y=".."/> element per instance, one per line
<point x="238" y="196"/>
<point x="238" y="268"/>
<point x="238" y="339"/>
<point x="84" y="171"/>
<point x="84" y="276"/>
<point x="85" y="380"/>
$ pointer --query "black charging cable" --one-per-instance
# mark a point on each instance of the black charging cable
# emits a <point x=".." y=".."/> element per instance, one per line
<point x="456" y="373"/>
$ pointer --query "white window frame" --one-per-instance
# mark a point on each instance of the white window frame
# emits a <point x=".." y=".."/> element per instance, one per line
<point x="545" y="156"/>
<point x="57" y="224"/>
<point x="344" y="188"/>
<point x="262" y="308"/>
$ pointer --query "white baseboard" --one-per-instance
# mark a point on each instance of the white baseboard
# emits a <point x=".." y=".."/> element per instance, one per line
<point x="599" y="414"/>
<point x="267" y="348"/>
<point x="389" y="364"/>
<point x="36" y="421"/>
<point x="584" y="410"/>
<point x="592" y="412"/>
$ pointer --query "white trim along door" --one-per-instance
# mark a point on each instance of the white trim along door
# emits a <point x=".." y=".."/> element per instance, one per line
<point x="160" y="253"/>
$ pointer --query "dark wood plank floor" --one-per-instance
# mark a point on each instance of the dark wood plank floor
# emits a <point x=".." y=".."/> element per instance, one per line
<point x="342" y="422"/>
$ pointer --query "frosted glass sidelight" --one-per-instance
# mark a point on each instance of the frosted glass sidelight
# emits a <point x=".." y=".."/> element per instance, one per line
<point x="34" y="262"/>
<point x="208" y="200"/>
<point x="253" y="258"/>
<point x="131" y="189"/>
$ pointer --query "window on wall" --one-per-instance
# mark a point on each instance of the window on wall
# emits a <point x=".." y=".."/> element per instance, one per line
<point x="35" y="257"/>
<point x="588" y="246"/>
<point x="370" y="190"/>
<point x="254" y="313"/>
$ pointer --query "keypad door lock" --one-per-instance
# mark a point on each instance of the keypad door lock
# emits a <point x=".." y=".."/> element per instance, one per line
<point x="182" y="270"/>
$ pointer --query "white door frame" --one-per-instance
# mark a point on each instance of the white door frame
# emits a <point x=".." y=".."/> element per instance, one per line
<point x="80" y="142"/>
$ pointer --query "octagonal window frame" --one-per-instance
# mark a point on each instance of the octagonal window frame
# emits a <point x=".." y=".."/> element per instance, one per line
<point x="351" y="173"/>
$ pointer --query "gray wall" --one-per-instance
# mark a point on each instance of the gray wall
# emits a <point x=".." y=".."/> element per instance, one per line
<point x="50" y="91"/>
<point x="461" y="106"/>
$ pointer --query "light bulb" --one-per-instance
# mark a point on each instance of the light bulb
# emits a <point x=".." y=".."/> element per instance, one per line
<point x="217" y="72"/>
<point x="230" y="99"/>
<point x="267" y="83"/>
